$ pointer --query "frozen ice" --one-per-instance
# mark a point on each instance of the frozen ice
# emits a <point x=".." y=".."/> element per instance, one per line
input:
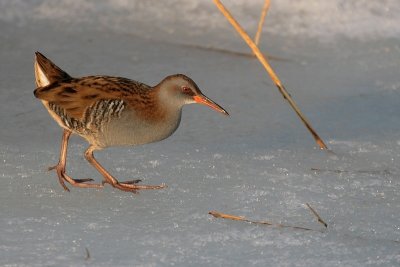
<point x="339" y="59"/>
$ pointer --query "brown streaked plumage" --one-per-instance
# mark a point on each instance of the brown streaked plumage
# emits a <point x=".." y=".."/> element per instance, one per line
<point x="112" y="111"/>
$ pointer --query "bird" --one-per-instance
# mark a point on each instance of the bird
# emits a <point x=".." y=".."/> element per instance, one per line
<point x="110" y="111"/>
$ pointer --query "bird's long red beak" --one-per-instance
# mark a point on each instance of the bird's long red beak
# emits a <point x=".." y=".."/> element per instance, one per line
<point x="202" y="99"/>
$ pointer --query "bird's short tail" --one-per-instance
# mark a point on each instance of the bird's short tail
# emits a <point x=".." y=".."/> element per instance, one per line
<point x="46" y="72"/>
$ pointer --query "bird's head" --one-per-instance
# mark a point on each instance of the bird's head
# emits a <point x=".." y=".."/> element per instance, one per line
<point x="180" y="90"/>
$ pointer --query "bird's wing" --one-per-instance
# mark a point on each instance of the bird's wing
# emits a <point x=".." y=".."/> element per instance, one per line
<point x="77" y="95"/>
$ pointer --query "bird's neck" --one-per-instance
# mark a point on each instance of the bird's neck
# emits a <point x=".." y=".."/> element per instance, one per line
<point x="167" y="101"/>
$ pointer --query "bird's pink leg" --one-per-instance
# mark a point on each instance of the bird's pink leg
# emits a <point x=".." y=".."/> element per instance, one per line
<point x="108" y="178"/>
<point x="62" y="162"/>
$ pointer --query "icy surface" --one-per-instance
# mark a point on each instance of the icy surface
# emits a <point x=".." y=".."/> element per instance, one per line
<point x="339" y="60"/>
<point x="182" y="18"/>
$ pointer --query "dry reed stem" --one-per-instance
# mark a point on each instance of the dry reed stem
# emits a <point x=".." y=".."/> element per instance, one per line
<point x="317" y="215"/>
<point x="261" y="22"/>
<point x="270" y="71"/>
<point x="221" y="215"/>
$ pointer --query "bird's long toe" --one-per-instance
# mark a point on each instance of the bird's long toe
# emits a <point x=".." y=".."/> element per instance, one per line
<point x="142" y="187"/>
<point x="61" y="179"/>
<point x="132" y="186"/>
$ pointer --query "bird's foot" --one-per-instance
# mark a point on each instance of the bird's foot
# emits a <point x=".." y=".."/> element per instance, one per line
<point x="62" y="176"/>
<point x="83" y="183"/>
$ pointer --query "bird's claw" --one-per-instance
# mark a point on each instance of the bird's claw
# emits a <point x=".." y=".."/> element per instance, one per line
<point x="83" y="180"/>
<point x="132" y="181"/>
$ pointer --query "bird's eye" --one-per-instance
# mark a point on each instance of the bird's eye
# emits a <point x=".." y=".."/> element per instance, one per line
<point x="187" y="90"/>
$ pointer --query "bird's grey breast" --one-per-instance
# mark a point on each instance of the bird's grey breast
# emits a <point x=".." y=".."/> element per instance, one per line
<point x="129" y="127"/>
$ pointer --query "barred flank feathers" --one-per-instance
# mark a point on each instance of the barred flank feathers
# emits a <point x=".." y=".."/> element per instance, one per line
<point x="102" y="112"/>
<point x="95" y="117"/>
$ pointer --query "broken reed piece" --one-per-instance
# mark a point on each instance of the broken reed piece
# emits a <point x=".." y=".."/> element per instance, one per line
<point x="270" y="71"/>
<point x="261" y="22"/>
<point x="87" y="257"/>
<point x="221" y="215"/>
<point x="320" y="220"/>
<point x="373" y="172"/>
